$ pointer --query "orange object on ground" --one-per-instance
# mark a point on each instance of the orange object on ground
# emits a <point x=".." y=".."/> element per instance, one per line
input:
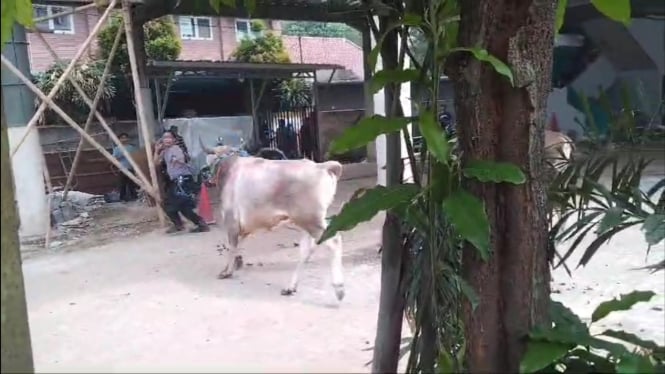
<point x="205" y="208"/>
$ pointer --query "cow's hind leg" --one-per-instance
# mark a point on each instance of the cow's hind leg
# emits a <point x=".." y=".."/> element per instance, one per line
<point x="306" y="247"/>
<point x="335" y="246"/>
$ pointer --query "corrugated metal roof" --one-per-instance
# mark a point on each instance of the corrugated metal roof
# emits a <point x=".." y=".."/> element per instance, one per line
<point x="235" y="69"/>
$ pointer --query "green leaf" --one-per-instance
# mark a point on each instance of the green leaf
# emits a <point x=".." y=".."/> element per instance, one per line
<point x="624" y="302"/>
<point x="616" y="10"/>
<point x="367" y="205"/>
<point x="612" y="218"/>
<point x="382" y="77"/>
<point x="565" y="319"/>
<point x="365" y="131"/>
<point x="632" y="363"/>
<point x="654" y="228"/>
<point x="467" y="214"/>
<point x="482" y="55"/>
<point x="631" y="338"/>
<point x="469" y="292"/>
<point x="497" y="172"/>
<point x="435" y="137"/>
<point x="19" y="11"/>
<point x="540" y="354"/>
<point x="560" y="14"/>
<point x="411" y="19"/>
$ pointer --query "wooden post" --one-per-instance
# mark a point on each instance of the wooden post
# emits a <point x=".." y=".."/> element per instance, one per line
<point x="73" y="124"/>
<point x="140" y="107"/>
<point x="95" y="102"/>
<point x="33" y="121"/>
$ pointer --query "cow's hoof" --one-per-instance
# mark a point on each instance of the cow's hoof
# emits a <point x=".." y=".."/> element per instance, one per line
<point x="238" y="263"/>
<point x="339" y="291"/>
<point x="288" y="291"/>
<point x="224" y="275"/>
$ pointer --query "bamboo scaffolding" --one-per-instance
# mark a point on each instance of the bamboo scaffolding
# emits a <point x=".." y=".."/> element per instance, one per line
<point x="8" y="64"/>
<point x="91" y="115"/>
<point x="93" y="112"/>
<point x="33" y="121"/>
<point x="140" y="107"/>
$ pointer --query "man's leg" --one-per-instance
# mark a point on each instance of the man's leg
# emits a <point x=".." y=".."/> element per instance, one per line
<point x="131" y="188"/>
<point x="122" y="187"/>
<point x="171" y="208"/>
<point x="187" y="206"/>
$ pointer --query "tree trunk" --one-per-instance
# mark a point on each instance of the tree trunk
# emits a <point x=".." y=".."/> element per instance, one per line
<point x="504" y="123"/>
<point x="16" y="348"/>
<point x="391" y="299"/>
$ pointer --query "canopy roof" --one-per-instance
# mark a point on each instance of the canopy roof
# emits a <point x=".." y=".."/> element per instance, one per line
<point x="230" y="69"/>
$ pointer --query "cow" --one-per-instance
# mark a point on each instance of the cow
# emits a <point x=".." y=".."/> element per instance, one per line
<point x="558" y="149"/>
<point x="260" y="194"/>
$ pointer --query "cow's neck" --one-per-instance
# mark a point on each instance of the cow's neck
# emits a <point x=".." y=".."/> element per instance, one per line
<point x="224" y="170"/>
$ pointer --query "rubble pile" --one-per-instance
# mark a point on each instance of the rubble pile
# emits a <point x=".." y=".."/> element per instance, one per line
<point x="74" y="212"/>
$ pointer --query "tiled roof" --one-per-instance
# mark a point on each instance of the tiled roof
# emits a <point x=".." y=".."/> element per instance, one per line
<point x="322" y="50"/>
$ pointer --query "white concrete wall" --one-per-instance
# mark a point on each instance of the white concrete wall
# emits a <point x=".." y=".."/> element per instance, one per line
<point x="28" y="169"/>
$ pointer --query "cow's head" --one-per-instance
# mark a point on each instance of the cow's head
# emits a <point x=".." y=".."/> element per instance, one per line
<point x="216" y="153"/>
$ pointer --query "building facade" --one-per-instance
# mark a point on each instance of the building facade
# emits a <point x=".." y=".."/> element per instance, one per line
<point x="203" y="38"/>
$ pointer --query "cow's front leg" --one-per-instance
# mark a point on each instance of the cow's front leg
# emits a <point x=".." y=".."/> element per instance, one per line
<point x="335" y="245"/>
<point x="232" y="259"/>
<point x="306" y="249"/>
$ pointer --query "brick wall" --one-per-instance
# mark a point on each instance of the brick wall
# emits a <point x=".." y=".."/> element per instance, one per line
<point x="65" y="45"/>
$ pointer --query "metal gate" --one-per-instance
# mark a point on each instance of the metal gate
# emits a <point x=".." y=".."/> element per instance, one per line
<point x="293" y="131"/>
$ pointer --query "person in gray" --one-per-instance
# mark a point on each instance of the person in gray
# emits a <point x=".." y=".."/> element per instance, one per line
<point x="180" y="195"/>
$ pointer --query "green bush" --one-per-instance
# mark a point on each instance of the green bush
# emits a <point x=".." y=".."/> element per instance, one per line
<point x="268" y="48"/>
<point x="162" y="42"/>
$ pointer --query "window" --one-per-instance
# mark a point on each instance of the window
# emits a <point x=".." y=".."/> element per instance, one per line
<point x="197" y="28"/>
<point x="57" y="25"/>
<point x="244" y="30"/>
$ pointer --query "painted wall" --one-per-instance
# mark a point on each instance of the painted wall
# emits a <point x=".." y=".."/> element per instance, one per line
<point x="644" y="84"/>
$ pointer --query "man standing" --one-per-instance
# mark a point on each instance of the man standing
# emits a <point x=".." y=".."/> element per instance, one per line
<point x="181" y="190"/>
<point x="126" y="186"/>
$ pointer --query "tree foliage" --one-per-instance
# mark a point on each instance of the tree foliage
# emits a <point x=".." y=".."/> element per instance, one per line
<point x="268" y="48"/>
<point x="162" y="42"/>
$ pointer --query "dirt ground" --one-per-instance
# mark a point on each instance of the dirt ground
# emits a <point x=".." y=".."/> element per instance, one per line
<point x="129" y="299"/>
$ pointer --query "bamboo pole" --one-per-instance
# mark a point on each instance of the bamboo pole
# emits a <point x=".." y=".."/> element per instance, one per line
<point x="49" y="199"/>
<point x="73" y="124"/>
<point x="167" y="91"/>
<point x="95" y="103"/>
<point x="94" y="112"/>
<point x="33" y="121"/>
<point x="140" y="108"/>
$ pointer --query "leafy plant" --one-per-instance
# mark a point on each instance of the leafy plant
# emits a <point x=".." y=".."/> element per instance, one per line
<point x="438" y="215"/>
<point x="568" y="346"/>
<point x="599" y="193"/>
<point x="88" y="75"/>
<point x="294" y="93"/>
<point x="268" y="48"/>
<point x="162" y="42"/>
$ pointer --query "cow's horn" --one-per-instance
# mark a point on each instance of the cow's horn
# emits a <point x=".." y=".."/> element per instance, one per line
<point x="207" y="150"/>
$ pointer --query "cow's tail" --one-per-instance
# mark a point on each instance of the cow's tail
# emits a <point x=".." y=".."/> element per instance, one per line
<point x="333" y="168"/>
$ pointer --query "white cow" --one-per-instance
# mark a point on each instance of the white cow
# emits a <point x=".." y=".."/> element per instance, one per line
<point x="261" y="194"/>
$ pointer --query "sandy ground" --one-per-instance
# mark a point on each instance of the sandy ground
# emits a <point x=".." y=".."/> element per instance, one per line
<point x="152" y="303"/>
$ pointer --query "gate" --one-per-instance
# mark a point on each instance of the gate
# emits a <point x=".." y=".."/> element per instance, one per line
<point x="293" y="131"/>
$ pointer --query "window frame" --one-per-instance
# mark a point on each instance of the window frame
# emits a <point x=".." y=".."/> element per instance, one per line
<point x="250" y="34"/>
<point x="194" y="20"/>
<point x="51" y="21"/>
